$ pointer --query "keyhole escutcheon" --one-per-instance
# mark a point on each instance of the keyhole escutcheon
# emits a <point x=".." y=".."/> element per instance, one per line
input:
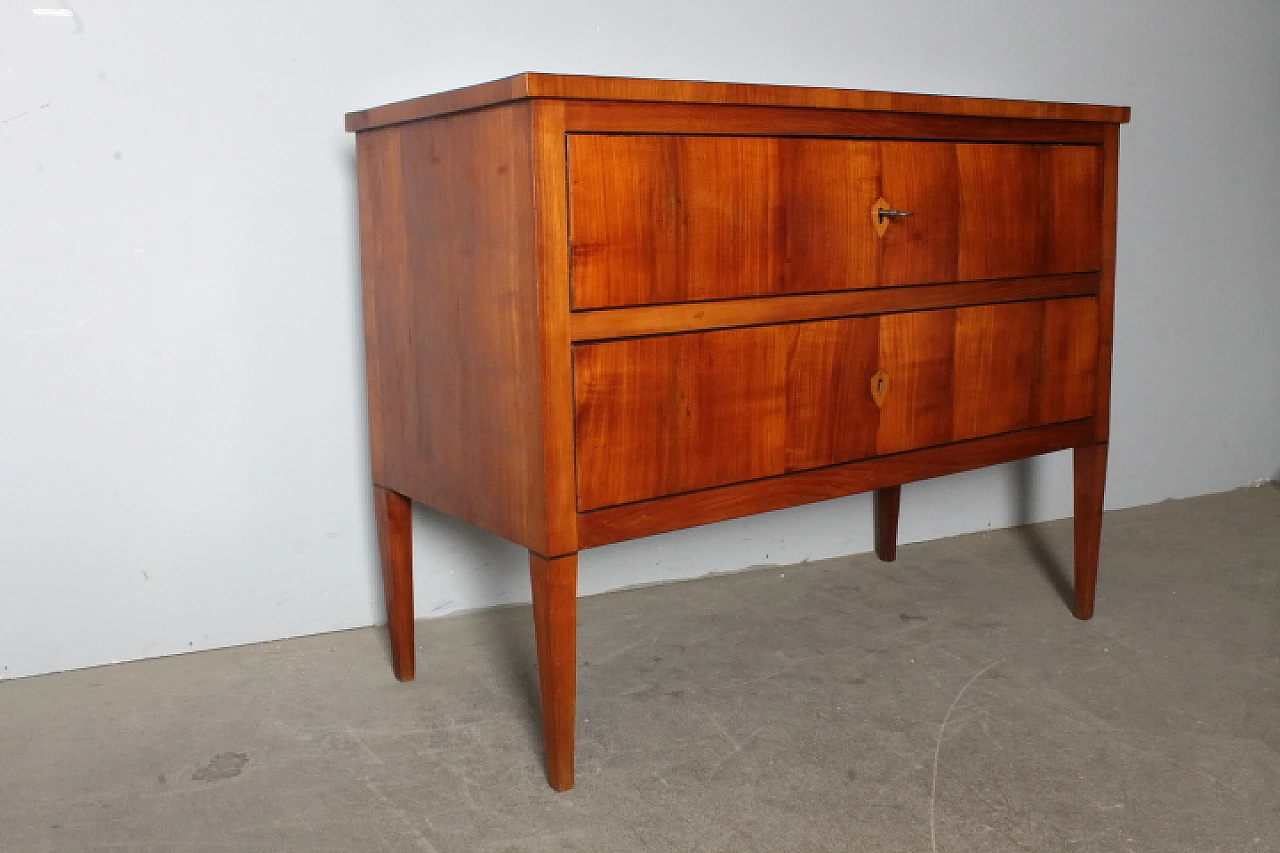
<point x="882" y="214"/>
<point x="879" y="387"/>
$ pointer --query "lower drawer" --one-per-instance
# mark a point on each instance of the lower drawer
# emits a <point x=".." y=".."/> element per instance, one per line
<point x="670" y="414"/>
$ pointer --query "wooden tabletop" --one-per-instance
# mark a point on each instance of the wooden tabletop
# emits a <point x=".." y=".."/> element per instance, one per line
<point x="577" y="87"/>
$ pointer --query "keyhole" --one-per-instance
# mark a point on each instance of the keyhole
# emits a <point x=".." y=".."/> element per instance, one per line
<point x="879" y="387"/>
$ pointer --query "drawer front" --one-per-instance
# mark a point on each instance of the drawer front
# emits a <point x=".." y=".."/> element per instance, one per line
<point x="661" y="218"/>
<point x="664" y="415"/>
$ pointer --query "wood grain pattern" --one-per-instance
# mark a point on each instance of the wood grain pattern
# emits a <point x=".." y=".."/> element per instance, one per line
<point x="997" y="350"/>
<point x="384" y="266"/>
<point x="393" y="515"/>
<point x="574" y="87"/>
<point x="555" y="621"/>
<point x="828" y="416"/>
<point x="887" y="502"/>
<point x="665" y="415"/>
<point x="917" y="352"/>
<point x="922" y="177"/>
<point x="1107" y="282"/>
<point x="1027" y="210"/>
<point x="728" y="313"/>
<point x="478" y="96"/>
<point x="1068" y="361"/>
<point x="672" y="414"/>
<point x="1001" y="229"/>
<point x="630" y="521"/>
<point x="636" y="117"/>
<point x="453" y="318"/>
<point x="1075" y="214"/>
<point x="666" y="219"/>
<point x="818" y="231"/>
<point x="1090" y="464"/>
<point x="551" y="245"/>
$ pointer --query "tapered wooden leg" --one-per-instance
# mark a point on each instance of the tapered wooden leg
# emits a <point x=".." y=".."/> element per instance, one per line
<point x="1090" y="481"/>
<point x="395" y="541"/>
<point x="555" y="624"/>
<point x="887" y="501"/>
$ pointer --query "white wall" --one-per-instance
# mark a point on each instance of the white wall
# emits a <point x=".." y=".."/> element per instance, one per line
<point x="183" y="455"/>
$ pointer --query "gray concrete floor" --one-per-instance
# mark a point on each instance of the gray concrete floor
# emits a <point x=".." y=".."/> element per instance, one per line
<point x="944" y="702"/>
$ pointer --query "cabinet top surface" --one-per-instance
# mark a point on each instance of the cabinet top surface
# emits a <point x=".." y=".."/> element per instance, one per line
<point x="579" y="87"/>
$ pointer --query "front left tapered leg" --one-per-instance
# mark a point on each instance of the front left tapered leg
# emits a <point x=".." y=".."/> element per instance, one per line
<point x="887" y="501"/>
<point x="555" y="623"/>
<point x="395" y="542"/>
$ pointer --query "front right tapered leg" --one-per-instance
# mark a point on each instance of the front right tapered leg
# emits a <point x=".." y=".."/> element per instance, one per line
<point x="1090" y="464"/>
<point x="555" y="624"/>
<point x="395" y="542"/>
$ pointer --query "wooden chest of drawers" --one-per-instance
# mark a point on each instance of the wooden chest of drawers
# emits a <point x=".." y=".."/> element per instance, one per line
<point x="600" y="308"/>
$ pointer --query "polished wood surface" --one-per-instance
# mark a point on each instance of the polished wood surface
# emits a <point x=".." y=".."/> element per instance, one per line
<point x="448" y="206"/>
<point x="555" y="621"/>
<point x="887" y="502"/>
<point x="1027" y="209"/>
<point x="554" y="370"/>
<point x="634" y="117"/>
<point x="1069" y="364"/>
<point x="918" y="350"/>
<point x="575" y="87"/>
<point x="653" y="413"/>
<point x="690" y="509"/>
<point x="383" y="256"/>
<point x="598" y="309"/>
<point x="727" y="313"/>
<point x="994" y="377"/>
<point x="1090" y="466"/>
<point x="1107" y="281"/>
<point x="662" y="219"/>
<point x="395" y="544"/>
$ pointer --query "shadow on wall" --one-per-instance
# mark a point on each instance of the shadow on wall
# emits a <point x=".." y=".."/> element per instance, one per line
<point x="1024" y="479"/>
<point x="373" y="561"/>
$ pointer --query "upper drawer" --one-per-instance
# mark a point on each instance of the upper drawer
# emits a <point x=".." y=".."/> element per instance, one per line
<point x="661" y="218"/>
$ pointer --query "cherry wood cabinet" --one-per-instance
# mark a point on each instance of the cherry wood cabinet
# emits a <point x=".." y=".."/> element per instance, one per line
<point x="601" y="308"/>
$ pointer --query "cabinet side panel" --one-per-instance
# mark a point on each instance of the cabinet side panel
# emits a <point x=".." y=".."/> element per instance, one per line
<point x="455" y="342"/>
<point x="384" y="269"/>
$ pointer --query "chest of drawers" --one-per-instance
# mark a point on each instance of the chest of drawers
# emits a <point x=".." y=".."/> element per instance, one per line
<point x="601" y="308"/>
